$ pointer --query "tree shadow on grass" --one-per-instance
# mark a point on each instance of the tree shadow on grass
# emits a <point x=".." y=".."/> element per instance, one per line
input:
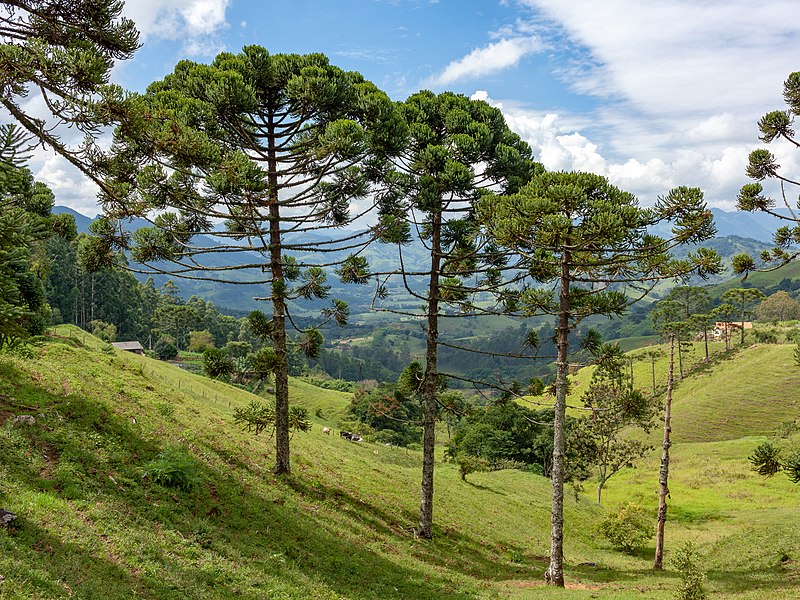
<point x="484" y="488"/>
<point x="124" y="535"/>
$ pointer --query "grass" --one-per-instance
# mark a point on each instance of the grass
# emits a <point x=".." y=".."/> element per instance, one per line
<point x="93" y="524"/>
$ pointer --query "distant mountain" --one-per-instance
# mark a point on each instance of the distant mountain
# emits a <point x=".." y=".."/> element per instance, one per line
<point x="738" y="232"/>
<point x="756" y="226"/>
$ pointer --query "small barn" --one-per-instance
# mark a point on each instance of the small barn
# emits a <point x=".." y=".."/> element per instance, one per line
<point x="134" y="347"/>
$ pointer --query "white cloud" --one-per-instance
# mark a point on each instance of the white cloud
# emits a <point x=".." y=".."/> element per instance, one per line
<point x="495" y="57"/>
<point x="677" y="56"/>
<point x="679" y="85"/>
<point x="559" y="142"/>
<point x="70" y="187"/>
<point x="196" y="23"/>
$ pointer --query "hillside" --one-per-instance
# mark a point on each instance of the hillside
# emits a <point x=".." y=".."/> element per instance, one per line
<point x="92" y="524"/>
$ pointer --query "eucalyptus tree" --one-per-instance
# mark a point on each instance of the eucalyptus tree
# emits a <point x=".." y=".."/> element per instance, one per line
<point x="63" y="51"/>
<point x="277" y="147"/>
<point x="743" y="299"/>
<point x="775" y="126"/>
<point x="459" y="150"/>
<point x="588" y="251"/>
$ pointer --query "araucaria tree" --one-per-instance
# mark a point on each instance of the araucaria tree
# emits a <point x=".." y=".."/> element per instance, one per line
<point x="25" y="222"/>
<point x="588" y="250"/>
<point x="64" y="50"/>
<point x="666" y="318"/>
<point x="775" y="126"/>
<point x="459" y="150"/>
<point x="743" y="299"/>
<point x="278" y="148"/>
<point x="615" y="408"/>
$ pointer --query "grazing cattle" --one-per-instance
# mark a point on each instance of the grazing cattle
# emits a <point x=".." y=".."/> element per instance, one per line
<point x="349" y="435"/>
<point x="326" y="430"/>
<point x="345" y="434"/>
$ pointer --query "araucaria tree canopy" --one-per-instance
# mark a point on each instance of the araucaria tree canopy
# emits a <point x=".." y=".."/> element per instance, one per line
<point x="588" y="252"/>
<point x="276" y="147"/>
<point x="64" y="50"/>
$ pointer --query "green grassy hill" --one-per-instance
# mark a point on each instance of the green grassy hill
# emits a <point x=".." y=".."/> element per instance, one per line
<point x="94" y="524"/>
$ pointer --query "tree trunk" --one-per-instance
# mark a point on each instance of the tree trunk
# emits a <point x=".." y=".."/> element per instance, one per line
<point x="680" y="359"/>
<point x="282" y="465"/>
<point x="742" y="325"/>
<point x="705" y="339"/>
<point x="653" y="373"/>
<point x="430" y="386"/>
<point x="555" y="573"/>
<point x="663" y="473"/>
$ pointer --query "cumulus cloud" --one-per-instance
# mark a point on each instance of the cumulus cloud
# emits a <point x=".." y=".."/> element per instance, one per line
<point x="495" y="57"/>
<point x="676" y="56"/>
<point x="680" y="85"/>
<point x="70" y="187"/>
<point x="560" y="142"/>
<point x="196" y="23"/>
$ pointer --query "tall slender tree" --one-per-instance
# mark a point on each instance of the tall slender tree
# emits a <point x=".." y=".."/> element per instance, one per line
<point x="693" y="301"/>
<point x="725" y="313"/>
<point x="588" y="242"/>
<point x="459" y="150"/>
<point x="744" y="299"/>
<point x="666" y="318"/>
<point x="278" y="147"/>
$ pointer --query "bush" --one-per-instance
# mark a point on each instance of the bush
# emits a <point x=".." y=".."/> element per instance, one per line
<point x="174" y="468"/>
<point x="105" y="331"/>
<point x="299" y="419"/>
<point x="217" y="364"/>
<point x="165" y="348"/>
<point x="686" y="562"/>
<point x="628" y="529"/>
<point x="468" y="464"/>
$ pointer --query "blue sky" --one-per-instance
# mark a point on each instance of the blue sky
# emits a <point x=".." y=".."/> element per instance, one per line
<point x="650" y="94"/>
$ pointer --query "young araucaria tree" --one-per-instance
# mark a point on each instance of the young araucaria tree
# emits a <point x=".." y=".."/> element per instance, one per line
<point x="459" y="150"/>
<point x="276" y="147"/>
<point x="615" y="408"/>
<point x="588" y="251"/>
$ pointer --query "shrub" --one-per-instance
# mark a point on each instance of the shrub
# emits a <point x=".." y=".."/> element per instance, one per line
<point x="686" y="562"/>
<point x="217" y="364"/>
<point x="105" y="331"/>
<point x="468" y="464"/>
<point x="299" y="419"/>
<point x="628" y="529"/>
<point x="165" y="348"/>
<point x="175" y="468"/>
<point x="257" y="417"/>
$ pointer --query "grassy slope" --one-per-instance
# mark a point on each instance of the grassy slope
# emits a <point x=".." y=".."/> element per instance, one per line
<point x="91" y="526"/>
